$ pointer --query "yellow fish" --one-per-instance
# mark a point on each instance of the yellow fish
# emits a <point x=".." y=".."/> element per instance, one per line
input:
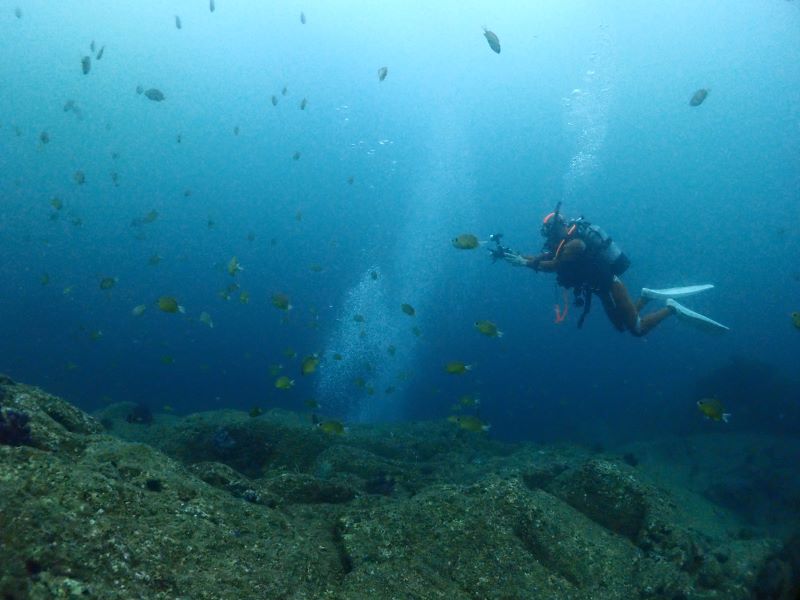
<point x="469" y="423"/>
<point x="796" y="319"/>
<point x="712" y="408"/>
<point x="281" y="301"/>
<point x="466" y="241"/>
<point x="309" y="364"/>
<point x="205" y="318"/>
<point x="488" y="328"/>
<point x="457" y="368"/>
<point x="234" y="267"/>
<point x="332" y="427"/>
<point x="284" y="383"/>
<point x="168" y="304"/>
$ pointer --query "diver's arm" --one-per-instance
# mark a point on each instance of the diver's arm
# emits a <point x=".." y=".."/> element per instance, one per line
<point x="569" y="252"/>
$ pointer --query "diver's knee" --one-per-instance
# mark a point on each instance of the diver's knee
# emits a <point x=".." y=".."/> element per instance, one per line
<point x="636" y="330"/>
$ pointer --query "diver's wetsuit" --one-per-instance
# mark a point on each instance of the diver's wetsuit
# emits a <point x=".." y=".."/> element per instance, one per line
<point x="575" y="269"/>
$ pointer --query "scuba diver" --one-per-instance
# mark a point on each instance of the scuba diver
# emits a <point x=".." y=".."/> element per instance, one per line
<point x="586" y="260"/>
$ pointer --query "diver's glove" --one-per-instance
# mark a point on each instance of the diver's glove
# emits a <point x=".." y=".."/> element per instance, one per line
<point x="515" y="259"/>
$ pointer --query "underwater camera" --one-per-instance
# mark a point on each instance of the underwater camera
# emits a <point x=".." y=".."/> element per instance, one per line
<point x="499" y="251"/>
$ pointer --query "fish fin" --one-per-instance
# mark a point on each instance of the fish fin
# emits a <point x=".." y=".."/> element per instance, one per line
<point x="499" y="333"/>
<point x="726" y="417"/>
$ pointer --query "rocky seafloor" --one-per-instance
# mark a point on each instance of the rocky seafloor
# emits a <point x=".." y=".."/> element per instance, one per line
<point x="224" y="505"/>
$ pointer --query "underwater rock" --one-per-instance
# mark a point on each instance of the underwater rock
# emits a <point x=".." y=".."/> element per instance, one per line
<point x="98" y="516"/>
<point x="14" y="429"/>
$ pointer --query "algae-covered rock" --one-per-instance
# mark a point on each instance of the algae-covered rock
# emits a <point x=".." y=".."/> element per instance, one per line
<point x="223" y="505"/>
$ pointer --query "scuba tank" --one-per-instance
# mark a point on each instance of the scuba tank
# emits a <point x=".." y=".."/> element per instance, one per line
<point x="600" y="246"/>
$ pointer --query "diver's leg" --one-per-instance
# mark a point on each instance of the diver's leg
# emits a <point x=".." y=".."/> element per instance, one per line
<point x="654" y="318"/>
<point x="637" y="325"/>
<point x="641" y="303"/>
<point x="627" y="309"/>
<point x="612" y="311"/>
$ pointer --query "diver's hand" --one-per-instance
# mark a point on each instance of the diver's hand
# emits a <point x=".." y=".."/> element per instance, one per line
<point x="515" y="259"/>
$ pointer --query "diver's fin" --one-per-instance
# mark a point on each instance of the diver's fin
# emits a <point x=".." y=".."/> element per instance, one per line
<point x="696" y="319"/>
<point x="676" y="292"/>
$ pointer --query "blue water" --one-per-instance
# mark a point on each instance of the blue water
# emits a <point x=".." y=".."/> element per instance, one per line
<point x="586" y="104"/>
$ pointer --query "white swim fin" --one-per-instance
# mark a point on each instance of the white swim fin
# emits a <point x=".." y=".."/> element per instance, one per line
<point x="676" y="292"/>
<point x="696" y="319"/>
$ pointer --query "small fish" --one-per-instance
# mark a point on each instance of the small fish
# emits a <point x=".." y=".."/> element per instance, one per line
<point x="69" y="105"/>
<point x="374" y="275"/>
<point x="303" y="104"/>
<point x="150" y="217"/>
<point x="68" y="290"/>
<point x="251" y="237"/>
<point x="18" y="12"/>
<point x="274" y="100"/>
<point x="457" y="368"/>
<point x="296" y="155"/>
<point x="44" y="279"/>
<point x="284" y="383"/>
<point x="44" y="137"/>
<point x="466" y="241"/>
<point x="155" y="95"/>
<point x="796" y="319"/>
<point x="234" y="267"/>
<point x="311" y="404"/>
<point x="390" y="390"/>
<point x="391" y="350"/>
<point x="469" y="423"/>
<point x="92" y="46"/>
<point x="255" y="412"/>
<point x="168" y="408"/>
<point x="211" y="6"/>
<point x="350" y="180"/>
<point x="167" y="360"/>
<point x="712" y="408"/>
<point x="416" y="331"/>
<point x="56" y="203"/>
<point x="115" y="178"/>
<point x="494" y="41"/>
<point x="469" y="400"/>
<point x="284" y="91"/>
<point x="96" y="335"/>
<point x="154" y="260"/>
<point x="236" y="130"/>
<point x="79" y="177"/>
<point x="138" y="310"/>
<point x="298" y="216"/>
<point x="100" y="53"/>
<point x="205" y="319"/>
<point x="488" y="328"/>
<point x="698" y="97"/>
<point x="358" y="318"/>
<point x="178" y="24"/>
<point x="168" y="304"/>
<point x="382" y="73"/>
<point x="309" y="364"/>
<point x="106" y="283"/>
<point x="139" y="89"/>
<point x="86" y="65"/>
<point x="281" y="301"/>
<point x="332" y="427"/>
<point x="337" y="356"/>
<point x="244" y="297"/>
<point x="408" y="309"/>
<point x="289" y="352"/>
<point x="302" y="18"/>
<point x="315" y="268"/>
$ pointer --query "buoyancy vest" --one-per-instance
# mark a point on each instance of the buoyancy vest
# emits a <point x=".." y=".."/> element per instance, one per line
<point x="601" y="261"/>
